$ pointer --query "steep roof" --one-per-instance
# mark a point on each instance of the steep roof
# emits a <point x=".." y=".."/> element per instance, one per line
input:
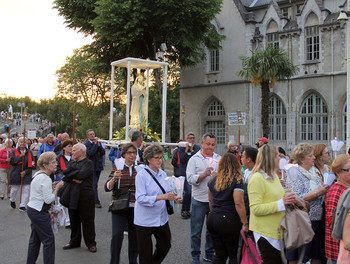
<point x="247" y="16"/>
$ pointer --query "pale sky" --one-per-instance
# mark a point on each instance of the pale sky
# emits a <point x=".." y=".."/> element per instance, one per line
<point x="34" y="43"/>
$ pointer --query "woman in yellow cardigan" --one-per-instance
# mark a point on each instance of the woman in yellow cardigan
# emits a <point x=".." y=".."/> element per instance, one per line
<point x="267" y="204"/>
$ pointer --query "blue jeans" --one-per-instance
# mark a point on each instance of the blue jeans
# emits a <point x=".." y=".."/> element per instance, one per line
<point x="186" y="201"/>
<point x="199" y="211"/>
<point x="41" y="234"/>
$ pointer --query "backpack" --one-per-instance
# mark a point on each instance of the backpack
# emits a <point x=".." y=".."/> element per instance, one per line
<point x="339" y="215"/>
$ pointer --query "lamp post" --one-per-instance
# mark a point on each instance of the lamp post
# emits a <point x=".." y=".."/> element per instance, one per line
<point x="344" y="17"/>
<point x="183" y="121"/>
<point x="74" y="111"/>
<point x="239" y="117"/>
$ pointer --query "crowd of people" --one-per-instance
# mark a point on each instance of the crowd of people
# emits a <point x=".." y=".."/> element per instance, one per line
<point x="244" y="190"/>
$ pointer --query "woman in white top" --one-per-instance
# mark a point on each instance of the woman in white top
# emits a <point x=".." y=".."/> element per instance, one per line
<point x="41" y="197"/>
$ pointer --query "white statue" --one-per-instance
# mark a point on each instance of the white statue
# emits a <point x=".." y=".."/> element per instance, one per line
<point x="138" y="111"/>
<point x="10" y="111"/>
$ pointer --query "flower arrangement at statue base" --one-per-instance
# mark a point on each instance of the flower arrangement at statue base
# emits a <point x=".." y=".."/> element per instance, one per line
<point x="148" y="135"/>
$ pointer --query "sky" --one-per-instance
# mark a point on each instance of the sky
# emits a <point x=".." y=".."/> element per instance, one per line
<point x="34" y="43"/>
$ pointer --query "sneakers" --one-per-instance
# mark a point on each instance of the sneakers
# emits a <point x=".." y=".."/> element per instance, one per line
<point x="22" y="209"/>
<point x="185" y="214"/>
<point x="13" y="205"/>
<point x="98" y="205"/>
<point x="206" y="259"/>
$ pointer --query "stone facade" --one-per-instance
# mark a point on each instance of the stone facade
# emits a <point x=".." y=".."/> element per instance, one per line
<point x="308" y="107"/>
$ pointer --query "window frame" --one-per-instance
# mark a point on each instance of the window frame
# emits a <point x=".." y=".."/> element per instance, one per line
<point x="312" y="43"/>
<point x="313" y="119"/>
<point x="277" y="119"/>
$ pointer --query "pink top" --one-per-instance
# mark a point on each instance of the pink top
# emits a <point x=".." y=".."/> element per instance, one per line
<point x="3" y="156"/>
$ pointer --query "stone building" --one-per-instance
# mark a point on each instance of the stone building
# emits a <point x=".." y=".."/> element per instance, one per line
<point x="309" y="107"/>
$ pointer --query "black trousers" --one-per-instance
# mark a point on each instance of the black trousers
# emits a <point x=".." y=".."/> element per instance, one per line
<point x="83" y="217"/>
<point x="119" y="223"/>
<point x="144" y="239"/>
<point x="269" y="254"/>
<point x="224" y="230"/>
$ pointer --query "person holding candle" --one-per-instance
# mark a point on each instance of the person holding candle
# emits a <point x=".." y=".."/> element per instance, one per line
<point x="124" y="179"/>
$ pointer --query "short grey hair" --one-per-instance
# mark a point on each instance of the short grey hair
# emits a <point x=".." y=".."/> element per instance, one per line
<point x="152" y="150"/>
<point x="231" y="143"/>
<point x="21" y="139"/>
<point x="89" y="130"/>
<point x="7" y="140"/>
<point x="81" y="146"/>
<point x="211" y="135"/>
<point x="135" y="136"/>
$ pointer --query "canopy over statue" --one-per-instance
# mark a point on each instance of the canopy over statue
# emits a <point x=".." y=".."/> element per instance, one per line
<point x="137" y="96"/>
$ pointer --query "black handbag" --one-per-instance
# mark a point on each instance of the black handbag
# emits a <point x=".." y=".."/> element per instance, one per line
<point x="120" y="200"/>
<point x="169" y="207"/>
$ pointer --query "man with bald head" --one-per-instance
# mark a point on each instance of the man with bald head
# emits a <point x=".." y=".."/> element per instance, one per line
<point x="80" y="171"/>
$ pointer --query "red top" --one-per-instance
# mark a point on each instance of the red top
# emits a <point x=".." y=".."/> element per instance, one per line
<point x="3" y="156"/>
<point x="332" y="198"/>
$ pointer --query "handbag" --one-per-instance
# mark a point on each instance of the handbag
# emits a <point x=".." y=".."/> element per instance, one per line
<point x="120" y="200"/>
<point x="169" y="207"/>
<point x="297" y="231"/>
<point x="250" y="254"/>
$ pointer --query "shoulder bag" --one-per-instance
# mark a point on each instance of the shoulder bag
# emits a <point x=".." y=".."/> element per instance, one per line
<point x="296" y="228"/>
<point x="120" y="200"/>
<point x="169" y="207"/>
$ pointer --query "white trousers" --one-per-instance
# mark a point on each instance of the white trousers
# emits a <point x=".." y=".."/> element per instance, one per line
<point x="25" y="194"/>
<point x="3" y="183"/>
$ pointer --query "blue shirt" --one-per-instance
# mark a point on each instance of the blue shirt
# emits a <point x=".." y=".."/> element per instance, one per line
<point x="148" y="212"/>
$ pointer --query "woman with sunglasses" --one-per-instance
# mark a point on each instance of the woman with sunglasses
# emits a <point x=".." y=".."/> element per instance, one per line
<point x="322" y="158"/>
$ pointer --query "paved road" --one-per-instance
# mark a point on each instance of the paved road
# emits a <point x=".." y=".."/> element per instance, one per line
<point x="15" y="232"/>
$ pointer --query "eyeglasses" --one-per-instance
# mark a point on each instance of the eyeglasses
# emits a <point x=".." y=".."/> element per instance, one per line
<point x="347" y="170"/>
<point x="131" y="152"/>
<point x="191" y="137"/>
<point x="53" y="162"/>
<point x="158" y="158"/>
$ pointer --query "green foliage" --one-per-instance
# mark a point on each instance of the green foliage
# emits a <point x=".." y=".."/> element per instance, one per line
<point x="263" y="68"/>
<point x="267" y="65"/>
<point x="83" y="73"/>
<point x="124" y="28"/>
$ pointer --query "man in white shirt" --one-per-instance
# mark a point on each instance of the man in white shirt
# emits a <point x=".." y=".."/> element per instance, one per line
<point x="198" y="173"/>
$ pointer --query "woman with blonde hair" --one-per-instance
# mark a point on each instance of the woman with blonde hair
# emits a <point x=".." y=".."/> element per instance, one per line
<point x="227" y="211"/>
<point x="305" y="183"/>
<point x="267" y="204"/>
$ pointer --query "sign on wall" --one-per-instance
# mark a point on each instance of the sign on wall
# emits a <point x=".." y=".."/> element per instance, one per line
<point x="234" y="120"/>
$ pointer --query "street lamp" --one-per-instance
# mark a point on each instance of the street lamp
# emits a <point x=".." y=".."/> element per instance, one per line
<point x="183" y="121"/>
<point x="342" y="18"/>
<point x="239" y="132"/>
<point x="74" y="112"/>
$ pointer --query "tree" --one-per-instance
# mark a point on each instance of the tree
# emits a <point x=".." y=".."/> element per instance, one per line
<point x="263" y="68"/>
<point x="124" y="28"/>
<point x="83" y="73"/>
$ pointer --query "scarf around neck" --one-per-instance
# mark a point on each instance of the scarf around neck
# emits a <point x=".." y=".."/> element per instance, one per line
<point x="311" y="176"/>
<point x="30" y="159"/>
